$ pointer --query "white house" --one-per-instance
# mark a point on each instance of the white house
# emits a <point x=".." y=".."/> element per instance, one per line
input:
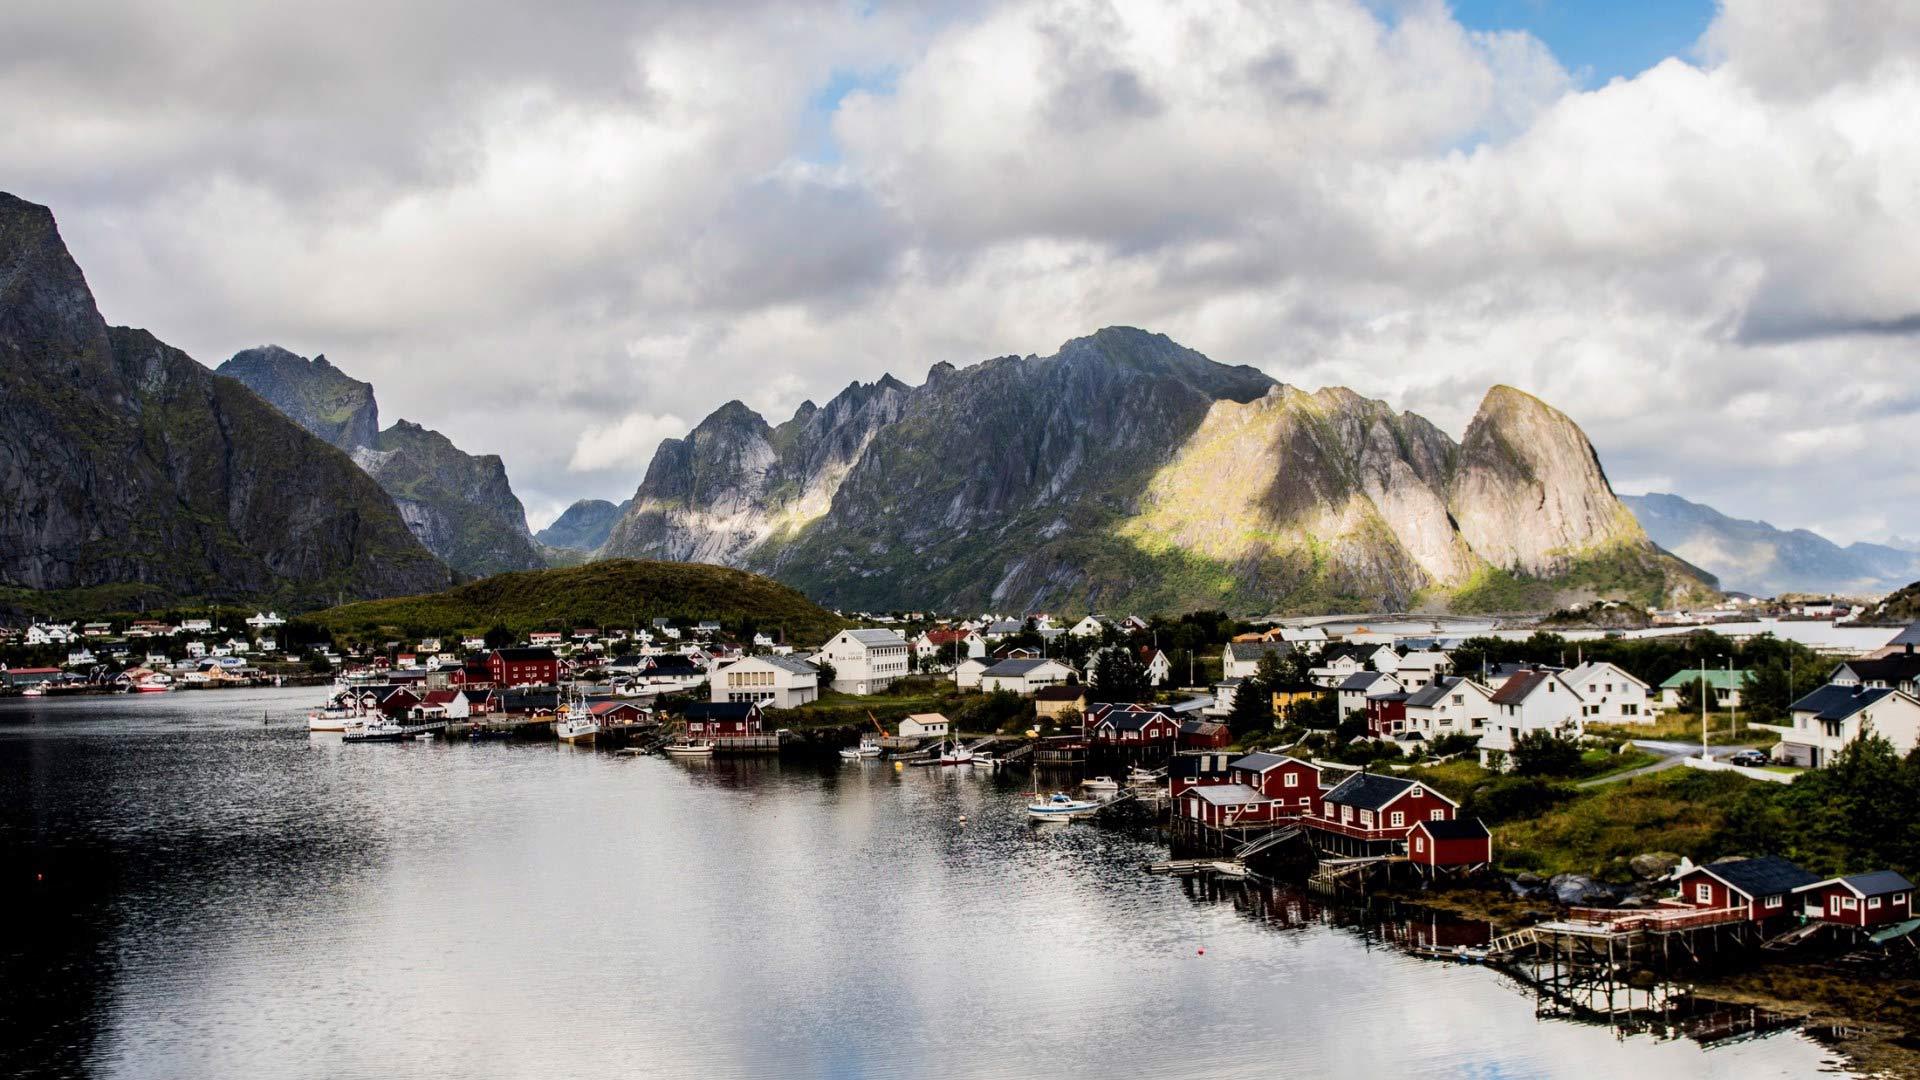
<point x="1092" y="626"/>
<point x="1351" y="696"/>
<point x="925" y="726"/>
<point x="1418" y="669"/>
<point x="1449" y="705"/>
<point x="949" y="645"/>
<point x="49" y="634"/>
<point x="1333" y="670"/>
<point x="966" y="674"/>
<point x="1303" y="635"/>
<point x="196" y="626"/>
<point x="1384" y="659"/>
<point x="1000" y="628"/>
<point x="1531" y="701"/>
<point x="1610" y="695"/>
<point x="80" y="656"/>
<point x="261" y="620"/>
<point x="1834" y="715"/>
<point x="1242" y="658"/>
<point x="774" y="682"/>
<point x="1159" y="669"/>
<point x="866" y="661"/>
<point x="1025" y="676"/>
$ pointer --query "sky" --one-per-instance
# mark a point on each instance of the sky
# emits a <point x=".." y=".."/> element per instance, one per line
<point x="561" y="234"/>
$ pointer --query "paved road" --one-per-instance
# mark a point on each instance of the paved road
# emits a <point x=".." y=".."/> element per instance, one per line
<point x="1671" y="755"/>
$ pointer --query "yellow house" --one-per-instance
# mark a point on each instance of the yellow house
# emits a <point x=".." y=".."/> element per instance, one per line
<point x="1050" y="702"/>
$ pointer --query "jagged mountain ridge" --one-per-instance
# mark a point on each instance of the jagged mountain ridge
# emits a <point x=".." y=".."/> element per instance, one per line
<point x="1129" y="471"/>
<point x="126" y="462"/>
<point x="460" y="505"/>
<point x="1759" y="558"/>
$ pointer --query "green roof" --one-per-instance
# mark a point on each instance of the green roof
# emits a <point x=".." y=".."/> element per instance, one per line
<point x="1718" y="678"/>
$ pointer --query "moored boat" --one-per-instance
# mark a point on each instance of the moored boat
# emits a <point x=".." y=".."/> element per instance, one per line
<point x="869" y="748"/>
<point x="1060" y="807"/>
<point x="1100" y="783"/>
<point x="687" y="748"/>
<point x="955" y="754"/>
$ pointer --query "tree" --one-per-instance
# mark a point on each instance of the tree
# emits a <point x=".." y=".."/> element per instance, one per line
<point x="499" y="637"/>
<point x="1252" y="707"/>
<point x="827" y="673"/>
<point x="1545" y="753"/>
<point x="1117" y="674"/>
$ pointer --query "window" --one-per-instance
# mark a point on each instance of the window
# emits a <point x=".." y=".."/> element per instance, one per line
<point x="1419" y="844"/>
<point x="1850" y="904"/>
<point x="1703" y="893"/>
<point x="1398" y="819"/>
<point x="1776" y="901"/>
<point x="1873" y="903"/>
<point x="1293" y="779"/>
<point x="1366" y="818"/>
<point x="1437" y="815"/>
<point x="1899" y="898"/>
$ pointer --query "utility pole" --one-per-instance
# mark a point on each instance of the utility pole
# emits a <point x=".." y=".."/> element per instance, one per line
<point x="1733" y="702"/>
<point x="1704" y="755"/>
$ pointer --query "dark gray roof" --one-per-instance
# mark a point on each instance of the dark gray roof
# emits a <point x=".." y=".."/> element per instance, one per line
<point x="1261" y="761"/>
<point x="1227" y="794"/>
<point x="1831" y="702"/>
<point x="1368" y="791"/>
<point x="1455" y="829"/>
<point x="515" y="656"/>
<point x="1909" y="636"/>
<point x="1254" y="650"/>
<point x="789" y="663"/>
<point x="1892" y="670"/>
<point x="1360" y="680"/>
<point x="721" y="710"/>
<point x="1012" y="668"/>
<point x="1768" y="875"/>
<point x="1133" y="721"/>
<point x="1431" y="693"/>
<point x="1878" y="883"/>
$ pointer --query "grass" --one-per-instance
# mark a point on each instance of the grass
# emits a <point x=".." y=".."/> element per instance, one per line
<point x="1679" y="810"/>
<point x="1610" y="763"/>
<point x="1676" y="726"/>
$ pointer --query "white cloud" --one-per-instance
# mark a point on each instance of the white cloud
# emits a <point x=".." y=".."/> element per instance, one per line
<point x="630" y="441"/>
<point x="551" y="237"/>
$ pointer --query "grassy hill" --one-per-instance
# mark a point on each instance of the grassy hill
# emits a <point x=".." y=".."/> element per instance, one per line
<point x="1902" y="606"/>
<point x="616" y="593"/>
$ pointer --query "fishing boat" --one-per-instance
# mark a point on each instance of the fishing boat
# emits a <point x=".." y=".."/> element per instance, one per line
<point x="378" y="729"/>
<point x="1100" y="783"/>
<point x="869" y="748"/>
<point x="953" y="753"/>
<point x="1139" y="777"/>
<point x="1060" y="807"/>
<point x="1230" y="869"/>
<point x="575" y="722"/>
<point x="337" y="714"/>
<point x="34" y="691"/>
<point x="157" y="682"/>
<point x="687" y="748"/>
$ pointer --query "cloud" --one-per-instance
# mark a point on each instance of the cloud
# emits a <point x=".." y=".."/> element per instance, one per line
<point x="628" y="441"/>
<point x="552" y="235"/>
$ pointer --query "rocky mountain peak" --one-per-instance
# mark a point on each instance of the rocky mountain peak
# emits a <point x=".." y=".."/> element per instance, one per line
<point x="318" y="396"/>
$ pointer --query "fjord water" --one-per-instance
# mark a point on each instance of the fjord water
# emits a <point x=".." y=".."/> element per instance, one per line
<point x="207" y="895"/>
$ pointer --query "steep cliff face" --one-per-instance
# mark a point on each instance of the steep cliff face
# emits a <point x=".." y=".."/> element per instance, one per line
<point x="583" y="526"/>
<point x="460" y="505"/>
<point x="1128" y="471"/>
<point x="125" y="461"/>
<point x="735" y="483"/>
<point x="1528" y="493"/>
<point x="318" y="396"/>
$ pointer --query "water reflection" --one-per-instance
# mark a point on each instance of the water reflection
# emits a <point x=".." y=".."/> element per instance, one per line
<point x="228" y="899"/>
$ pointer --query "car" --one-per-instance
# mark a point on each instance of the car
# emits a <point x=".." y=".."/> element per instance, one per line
<point x="1752" y="759"/>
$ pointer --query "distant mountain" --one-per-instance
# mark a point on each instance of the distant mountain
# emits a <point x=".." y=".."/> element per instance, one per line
<point x="460" y="505"/>
<point x="624" y="593"/>
<point x="584" y="526"/>
<point x="1126" y="471"/>
<point x="127" y="463"/>
<point x="1755" y="557"/>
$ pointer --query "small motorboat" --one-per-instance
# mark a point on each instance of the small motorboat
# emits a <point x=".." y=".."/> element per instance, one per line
<point x="1139" y="777"/>
<point x="1100" y="783"/>
<point x="685" y="748"/>
<point x="955" y="754"/>
<point x="1060" y="807"/>
<point x="1230" y="869"/>
<point x="869" y="748"/>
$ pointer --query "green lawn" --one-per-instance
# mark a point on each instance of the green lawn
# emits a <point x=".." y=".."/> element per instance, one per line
<point x="1679" y="810"/>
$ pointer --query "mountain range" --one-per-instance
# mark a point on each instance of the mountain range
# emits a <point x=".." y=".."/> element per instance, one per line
<point x="1755" y="557"/>
<point x="1128" y="472"/>
<point x="460" y="505"/>
<point x="127" y="463"/>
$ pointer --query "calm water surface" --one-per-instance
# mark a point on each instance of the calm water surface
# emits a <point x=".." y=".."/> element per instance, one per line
<point x="208" y="896"/>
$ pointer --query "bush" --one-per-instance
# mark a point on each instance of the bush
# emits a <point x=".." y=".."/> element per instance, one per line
<point x="1454" y="743"/>
<point x="1544" y="753"/>
<point x="1509" y="798"/>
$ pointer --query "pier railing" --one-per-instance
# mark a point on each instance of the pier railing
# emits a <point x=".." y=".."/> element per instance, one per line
<point x="1658" y="920"/>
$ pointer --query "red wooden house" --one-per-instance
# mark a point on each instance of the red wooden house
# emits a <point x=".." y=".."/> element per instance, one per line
<point x="1188" y="771"/>
<point x="1387" y="715"/>
<point x="396" y="700"/>
<point x="1860" y="900"/>
<point x="1198" y="734"/>
<point x="1226" y="806"/>
<point x="1133" y="727"/>
<point x="524" y="667"/>
<point x="618" y="712"/>
<point x="1368" y="814"/>
<point x="1455" y="843"/>
<point x="1292" y="784"/>
<point x="1759" y="887"/>
<point x="722" y="719"/>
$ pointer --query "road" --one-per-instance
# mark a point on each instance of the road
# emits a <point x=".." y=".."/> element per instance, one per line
<point x="1671" y="755"/>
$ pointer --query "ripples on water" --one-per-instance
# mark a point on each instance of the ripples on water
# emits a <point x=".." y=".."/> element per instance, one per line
<point x="223" y="898"/>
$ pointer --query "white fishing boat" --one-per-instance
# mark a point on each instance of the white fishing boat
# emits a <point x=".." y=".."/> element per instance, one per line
<point x="1060" y="807"/>
<point x="955" y="754"/>
<point x="1230" y="869"/>
<point x="869" y="748"/>
<point x="687" y="748"/>
<point x="575" y="722"/>
<point x="1100" y="783"/>
<point x="1139" y="777"/>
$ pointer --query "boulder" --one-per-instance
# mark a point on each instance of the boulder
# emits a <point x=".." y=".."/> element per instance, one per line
<point x="1653" y="864"/>
<point x="1578" y="890"/>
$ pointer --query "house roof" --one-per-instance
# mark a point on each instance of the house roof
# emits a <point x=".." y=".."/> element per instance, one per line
<point x="1454" y="829"/>
<point x="1432" y="693"/>
<point x="1013" y="669"/>
<point x="672" y="662"/>
<point x="1877" y="883"/>
<point x="1134" y="721"/>
<point x="1517" y="689"/>
<point x="925" y="719"/>
<point x="1909" y="636"/>
<point x="1593" y="669"/>
<point x="788" y="663"/>
<point x="602" y="708"/>
<point x="1360" y="680"/>
<point x="1831" y="702"/>
<point x="1371" y="791"/>
<point x="1768" y="875"/>
<point x="1059" y="693"/>
<point x="1226" y="794"/>
<point x="1200" y="727"/>
<point x="876" y="637"/>
<point x="521" y="656"/>
<point x="1261" y="761"/>
<point x="1254" y="650"/>
<point x="1890" y="669"/>
<point x="1718" y="678"/>
<point x="721" y="710"/>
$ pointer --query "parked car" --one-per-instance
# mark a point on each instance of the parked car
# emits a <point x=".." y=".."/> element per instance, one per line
<point x="1752" y="759"/>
